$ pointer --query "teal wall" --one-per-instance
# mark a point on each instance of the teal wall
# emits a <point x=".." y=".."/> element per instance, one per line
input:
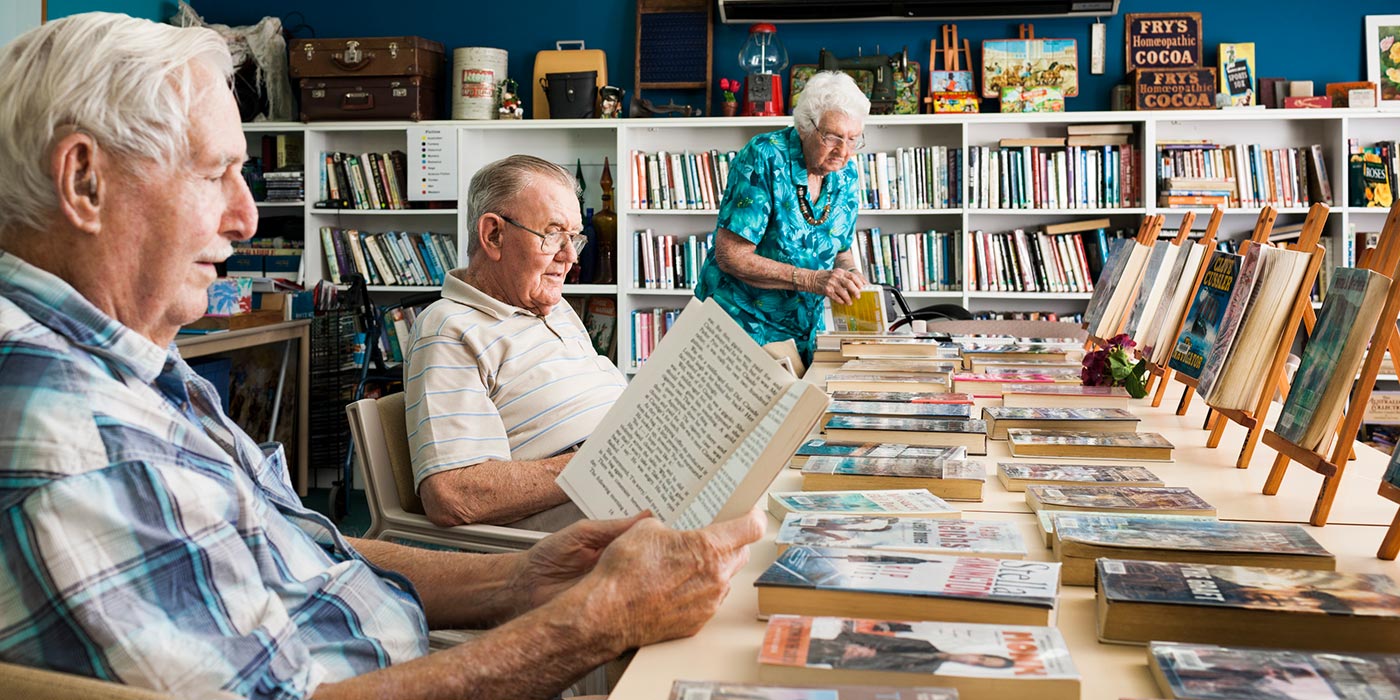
<point x="150" y="9"/>
<point x="1295" y="39"/>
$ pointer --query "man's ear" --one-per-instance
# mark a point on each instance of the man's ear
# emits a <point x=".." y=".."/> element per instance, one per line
<point x="490" y="232"/>
<point x="74" y="165"/>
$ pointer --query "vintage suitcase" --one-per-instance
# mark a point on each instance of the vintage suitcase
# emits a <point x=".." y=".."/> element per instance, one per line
<point x="335" y="99"/>
<point x="367" y="56"/>
<point x="578" y="60"/>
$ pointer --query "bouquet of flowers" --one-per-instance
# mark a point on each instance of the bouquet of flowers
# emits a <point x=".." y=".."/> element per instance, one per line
<point x="1113" y="365"/>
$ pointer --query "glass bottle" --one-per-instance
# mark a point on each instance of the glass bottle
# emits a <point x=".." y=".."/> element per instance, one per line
<point x="605" y="229"/>
<point x="575" y="275"/>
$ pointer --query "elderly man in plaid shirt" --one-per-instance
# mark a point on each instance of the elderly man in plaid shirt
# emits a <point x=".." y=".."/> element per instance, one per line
<point x="147" y="539"/>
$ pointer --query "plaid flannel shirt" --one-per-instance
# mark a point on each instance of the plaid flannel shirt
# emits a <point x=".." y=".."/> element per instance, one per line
<point x="146" y="539"/>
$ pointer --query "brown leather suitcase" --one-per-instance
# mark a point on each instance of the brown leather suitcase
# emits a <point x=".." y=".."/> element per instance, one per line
<point x="367" y="56"/>
<point x="336" y="99"/>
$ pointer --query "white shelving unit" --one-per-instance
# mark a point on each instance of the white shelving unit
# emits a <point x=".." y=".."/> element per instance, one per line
<point x="585" y="143"/>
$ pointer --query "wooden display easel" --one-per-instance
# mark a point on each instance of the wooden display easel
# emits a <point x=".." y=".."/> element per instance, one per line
<point x="1162" y="373"/>
<point x="1147" y="235"/>
<point x="1386" y="261"/>
<point x="1390" y="544"/>
<point x="1262" y="226"/>
<point x="1253" y="421"/>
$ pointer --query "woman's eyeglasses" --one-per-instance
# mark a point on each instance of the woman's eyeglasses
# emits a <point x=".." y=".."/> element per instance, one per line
<point x="831" y="140"/>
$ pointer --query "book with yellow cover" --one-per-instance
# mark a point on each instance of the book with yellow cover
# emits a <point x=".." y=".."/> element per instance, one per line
<point x="865" y="314"/>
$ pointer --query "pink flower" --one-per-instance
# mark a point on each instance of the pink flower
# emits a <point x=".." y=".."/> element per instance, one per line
<point x="1386" y="42"/>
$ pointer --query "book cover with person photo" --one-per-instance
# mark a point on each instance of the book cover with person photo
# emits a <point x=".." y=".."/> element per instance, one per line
<point x="982" y="661"/>
<point x="1211" y="672"/>
<point x="951" y="588"/>
<point x="1203" y="319"/>
<point x="956" y="479"/>
<point x="987" y="538"/>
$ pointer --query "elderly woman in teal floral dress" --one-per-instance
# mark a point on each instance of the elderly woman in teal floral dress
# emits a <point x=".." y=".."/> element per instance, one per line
<point x="785" y="227"/>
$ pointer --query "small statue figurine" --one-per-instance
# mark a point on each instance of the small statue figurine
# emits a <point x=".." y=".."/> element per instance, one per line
<point x="509" y="100"/>
<point x="610" y="102"/>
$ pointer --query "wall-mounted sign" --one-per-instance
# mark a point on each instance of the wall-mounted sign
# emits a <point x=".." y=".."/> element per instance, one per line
<point x="1163" y="40"/>
<point x="1174" y="88"/>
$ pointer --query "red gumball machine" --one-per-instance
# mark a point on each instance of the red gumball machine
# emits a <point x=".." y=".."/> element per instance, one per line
<point x="763" y="59"/>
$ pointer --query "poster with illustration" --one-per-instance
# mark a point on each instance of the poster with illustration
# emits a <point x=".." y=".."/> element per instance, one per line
<point x="1030" y="63"/>
<point x="1383" y="57"/>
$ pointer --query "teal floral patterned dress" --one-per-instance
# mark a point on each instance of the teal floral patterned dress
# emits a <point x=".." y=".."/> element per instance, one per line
<point x="760" y="205"/>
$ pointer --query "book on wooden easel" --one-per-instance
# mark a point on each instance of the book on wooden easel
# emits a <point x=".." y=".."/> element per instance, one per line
<point x="1332" y="356"/>
<point x="953" y="479"/>
<point x="1161" y="335"/>
<point x="1160" y="265"/>
<point x="1212" y="672"/>
<point x="1202" y="325"/>
<point x="1109" y="282"/>
<point x="1143" y="601"/>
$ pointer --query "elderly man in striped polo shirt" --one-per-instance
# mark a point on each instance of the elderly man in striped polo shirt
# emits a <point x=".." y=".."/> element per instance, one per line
<point x="503" y="382"/>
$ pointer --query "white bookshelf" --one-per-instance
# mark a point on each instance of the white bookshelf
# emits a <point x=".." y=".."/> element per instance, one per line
<point x="588" y="142"/>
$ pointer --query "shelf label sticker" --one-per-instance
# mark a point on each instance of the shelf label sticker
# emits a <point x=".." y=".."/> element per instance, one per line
<point x="432" y="163"/>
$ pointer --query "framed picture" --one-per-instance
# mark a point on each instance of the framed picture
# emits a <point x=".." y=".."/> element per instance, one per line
<point x="1029" y="63"/>
<point x="1383" y="57"/>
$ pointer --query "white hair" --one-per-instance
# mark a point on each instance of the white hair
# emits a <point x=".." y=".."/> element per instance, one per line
<point x="829" y="91"/>
<point x="126" y="82"/>
<point x="495" y="187"/>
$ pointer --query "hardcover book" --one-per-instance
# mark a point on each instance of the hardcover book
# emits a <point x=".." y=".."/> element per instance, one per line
<point x="1063" y="396"/>
<point x="953" y="479"/>
<point x="901" y="503"/>
<point x="818" y="581"/>
<point x="914" y="397"/>
<point x="1166" y="500"/>
<point x="929" y="432"/>
<point x="1016" y="476"/>
<point x="897" y="346"/>
<point x="1333" y="354"/>
<point x="870" y="381"/>
<point x="982" y="661"/>
<point x="1237" y="73"/>
<point x="723" y="690"/>
<point x="1202" y="324"/>
<point x="1082" y="538"/>
<point x="1085" y="445"/>
<point x="1107" y="420"/>
<point x="900" y="408"/>
<point x="989" y="538"/>
<point x="1210" y="672"/>
<point x="820" y="447"/>
<point x="1142" y="601"/>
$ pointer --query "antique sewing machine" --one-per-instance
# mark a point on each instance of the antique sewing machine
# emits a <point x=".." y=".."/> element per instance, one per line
<point x="885" y="68"/>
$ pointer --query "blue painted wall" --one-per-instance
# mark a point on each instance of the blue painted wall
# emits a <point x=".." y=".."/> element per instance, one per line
<point x="1295" y="39"/>
<point x="149" y="9"/>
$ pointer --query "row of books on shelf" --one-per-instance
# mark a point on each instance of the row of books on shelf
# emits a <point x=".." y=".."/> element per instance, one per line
<point x="686" y="180"/>
<point x="1021" y="176"/>
<point x="277" y="258"/>
<point x="1372" y="171"/>
<point x="649" y="326"/>
<point x="390" y="258"/>
<point x="1203" y="174"/>
<point x="917" y="177"/>
<point x="1020" y="261"/>
<point x="364" y="181"/>
<point x="666" y="261"/>
<point x="921" y="261"/>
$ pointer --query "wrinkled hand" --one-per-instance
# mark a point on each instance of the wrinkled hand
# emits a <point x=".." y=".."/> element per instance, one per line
<point x="558" y="561"/>
<point x="656" y="583"/>
<point x="840" y="286"/>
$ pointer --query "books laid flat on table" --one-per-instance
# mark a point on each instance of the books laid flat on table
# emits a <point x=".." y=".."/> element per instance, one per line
<point x="1081" y="538"/>
<point x="699" y="433"/>
<point x="961" y="411"/>
<point x="1142" y="601"/>
<point x="915" y="397"/>
<point x="1105" y="420"/>
<point x="820" y="581"/>
<point x="1063" y="396"/>
<point x="1161" y="500"/>
<point x="1015" y="476"/>
<point x="1332" y="357"/>
<point x="1047" y="519"/>
<point x="724" y="690"/>
<point x="993" y="385"/>
<point x="821" y="447"/>
<point x="929" y="432"/>
<point x="886" y="381"/>
<point x="1087" y="445"/>
<point x="897" y="346"/>
<point x="998" y="366"/>
<point x="1211" y="672"/>
<point x="953" y="479"/>
<point x="901" y="503"/>
<point x="984" y="538"/>
<point x="1060" y="350"/>
<point x="896" y="365"/>
<point x="982" y="661"/>
<point x="1202" y="324"/>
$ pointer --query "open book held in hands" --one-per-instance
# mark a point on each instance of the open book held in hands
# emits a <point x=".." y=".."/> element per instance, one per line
<point x="700" y="432"/>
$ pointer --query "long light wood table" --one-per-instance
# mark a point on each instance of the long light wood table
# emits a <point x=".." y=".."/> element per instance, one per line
<point x="192" y="346"/>
<point x="727" y="647"/>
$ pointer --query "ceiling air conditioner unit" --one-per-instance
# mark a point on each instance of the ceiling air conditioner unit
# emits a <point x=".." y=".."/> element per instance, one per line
<point x="744" y="11"/>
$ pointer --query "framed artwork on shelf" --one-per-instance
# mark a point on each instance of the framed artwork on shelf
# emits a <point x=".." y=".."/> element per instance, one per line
<point x="1029" y="63"/>
<point x="1383" y="57"/>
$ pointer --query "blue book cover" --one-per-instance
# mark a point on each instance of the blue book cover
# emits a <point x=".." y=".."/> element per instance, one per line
<point x="1304" y="592"/>
<point x="1210" y="672"/>
<point x="1203" y="320"/>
